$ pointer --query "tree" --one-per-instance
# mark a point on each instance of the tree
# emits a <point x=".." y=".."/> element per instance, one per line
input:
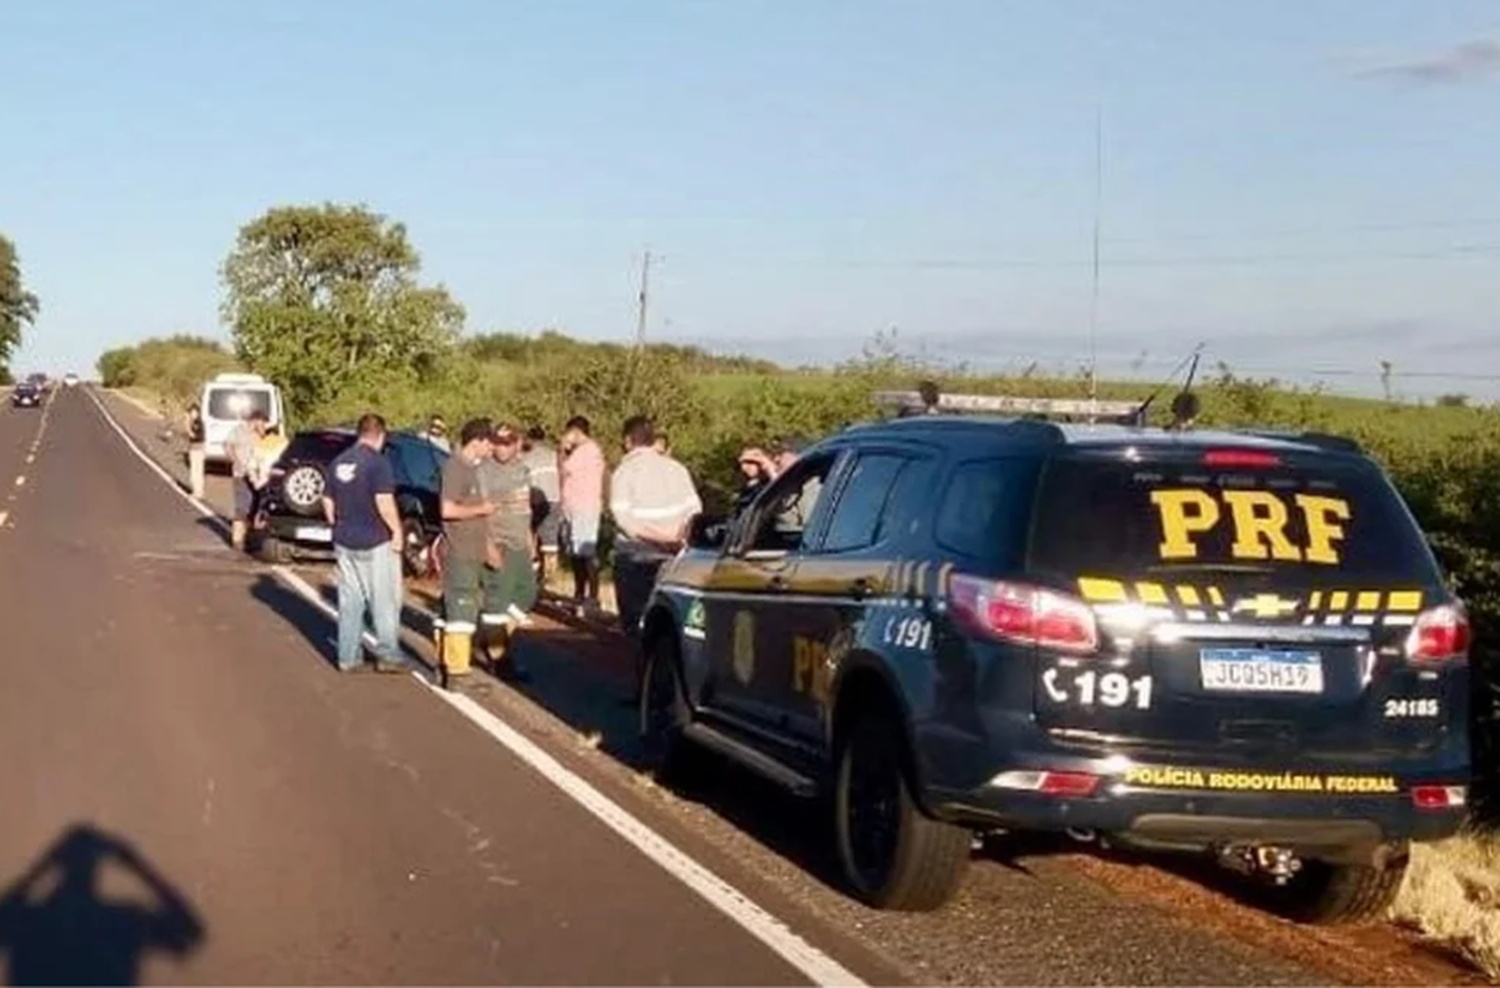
<point x="324" y="300"/>
<point x="18" y="307"/>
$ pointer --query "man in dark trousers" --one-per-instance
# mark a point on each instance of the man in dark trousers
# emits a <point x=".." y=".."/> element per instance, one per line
<point x="360" y="504"/>
<point x="466" y="515"/>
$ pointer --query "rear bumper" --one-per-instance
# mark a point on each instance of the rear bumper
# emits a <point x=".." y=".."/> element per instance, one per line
<point x="307" y="532"/>
<point x="1323" y="825"/>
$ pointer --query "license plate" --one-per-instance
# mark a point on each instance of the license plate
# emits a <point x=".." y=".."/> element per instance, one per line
<point x="315" y="533"/>
<point x="1252" y="670"/>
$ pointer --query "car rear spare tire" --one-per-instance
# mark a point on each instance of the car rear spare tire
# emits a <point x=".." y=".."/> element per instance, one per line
<point x="302" y="489"/>
<point x="893" y="855"/>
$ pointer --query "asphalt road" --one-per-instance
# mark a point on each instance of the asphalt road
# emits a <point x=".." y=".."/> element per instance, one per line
<point x="323" y="829"/>
<point x="191" y="793"/>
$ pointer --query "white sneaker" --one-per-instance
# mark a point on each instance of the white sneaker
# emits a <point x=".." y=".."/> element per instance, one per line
<point x="522" y="619"/>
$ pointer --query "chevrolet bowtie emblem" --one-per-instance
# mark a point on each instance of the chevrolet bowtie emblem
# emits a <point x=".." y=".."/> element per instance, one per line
<point x="1267" y="605"/>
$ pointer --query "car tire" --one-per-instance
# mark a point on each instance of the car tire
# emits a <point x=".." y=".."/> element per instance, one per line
<point x="416" y="551"/>
<point x="302" y="489"/>
<point x="1325" y="894"/>
<point x="665" y="715"/>
<point x="893" y="855"/>
<point x="273" y="550"/>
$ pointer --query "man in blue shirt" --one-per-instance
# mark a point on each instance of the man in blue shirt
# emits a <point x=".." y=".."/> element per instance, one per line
<point x="361" y="506"/>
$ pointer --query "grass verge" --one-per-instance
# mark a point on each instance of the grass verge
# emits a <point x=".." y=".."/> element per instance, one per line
<point x="1451" y="896"/>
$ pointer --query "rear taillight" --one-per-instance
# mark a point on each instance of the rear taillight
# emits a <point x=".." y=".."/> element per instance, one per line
<point x="1064" y="784"/>
<point x="1021" y="613"/>
<point x="1439" y="634"/>
<point x="1439" y="797"/>
<point x="1240" y="458"/>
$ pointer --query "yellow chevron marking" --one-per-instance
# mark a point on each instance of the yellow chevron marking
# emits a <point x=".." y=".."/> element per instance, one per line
<point x="1190" y="596"/>
<point x="1215" y="597"/>
<point x="1315" y="600"/>
<point x="1102" y="591"/>
<point x="1368" y="600"/>
<point x="1153" y="593"/>
<point x="1338" y="600"/>
<point x="1409" y="601"/>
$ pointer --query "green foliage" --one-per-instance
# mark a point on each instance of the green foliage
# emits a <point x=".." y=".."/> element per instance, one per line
<point x="174" y="367"/>
<point x="18" y="307"/>
<point x="324" y="301"/>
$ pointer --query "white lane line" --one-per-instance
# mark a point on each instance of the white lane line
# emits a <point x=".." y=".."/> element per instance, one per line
<point x="4" y="517"/>
<point x="21" y="480"/>
<point x="817" y="966"/>
<point x="156" y="468"/>
<point x="780" y="938"/>
<point x="820" y="968"/>
<point x="310" y="593"/>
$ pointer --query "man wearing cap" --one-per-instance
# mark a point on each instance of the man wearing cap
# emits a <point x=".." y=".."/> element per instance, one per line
<point x="795" y="516"/>
<point x="509" y="582"/>
<point x="466" y="516"/>
<point x="437" y="433"/>
<point x="653" y="501"/>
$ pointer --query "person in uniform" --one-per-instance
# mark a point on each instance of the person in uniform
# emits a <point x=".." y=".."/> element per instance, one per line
<point x="466" y="531"/>
<point x="509" y="581"/>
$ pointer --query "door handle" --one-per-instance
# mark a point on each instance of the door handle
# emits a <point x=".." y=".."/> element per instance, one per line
<point x="778" y="582"/>
<point x="860" y="587"/>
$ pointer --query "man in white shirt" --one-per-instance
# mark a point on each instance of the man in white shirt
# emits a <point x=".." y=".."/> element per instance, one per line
<point x="653" y="501"/>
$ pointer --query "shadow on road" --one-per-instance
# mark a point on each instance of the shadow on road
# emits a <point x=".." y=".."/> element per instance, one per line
<point x="297" y="612"/>
<point x="57" y="927"/>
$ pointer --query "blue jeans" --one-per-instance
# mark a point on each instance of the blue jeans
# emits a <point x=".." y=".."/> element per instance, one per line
<point x="369" y="580"/>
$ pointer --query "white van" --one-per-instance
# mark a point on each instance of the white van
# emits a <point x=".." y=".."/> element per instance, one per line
<point x="227" y="401"/>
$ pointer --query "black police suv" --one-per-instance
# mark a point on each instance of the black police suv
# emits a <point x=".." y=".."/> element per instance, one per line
<point x="289" y="515"/>
<point x="27" y="395"/>
<point x="1228" y="643"/>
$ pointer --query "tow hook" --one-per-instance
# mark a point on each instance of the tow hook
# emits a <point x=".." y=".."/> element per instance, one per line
<point x="1279" y="864"/>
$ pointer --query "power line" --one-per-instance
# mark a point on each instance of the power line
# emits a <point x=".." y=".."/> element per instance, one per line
<point x="1291" y="233"/>
<point x="1462" y="251"/>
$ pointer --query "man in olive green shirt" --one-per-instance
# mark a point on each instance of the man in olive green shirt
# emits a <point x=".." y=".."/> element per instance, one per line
<point x="510" y="579"/>
<point x="466" y="516"/>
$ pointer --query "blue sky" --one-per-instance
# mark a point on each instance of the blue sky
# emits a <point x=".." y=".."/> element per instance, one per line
<point x="1308" y="188"/>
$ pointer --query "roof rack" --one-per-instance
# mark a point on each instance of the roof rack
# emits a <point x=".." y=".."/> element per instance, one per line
<point x="1092" y="410"/>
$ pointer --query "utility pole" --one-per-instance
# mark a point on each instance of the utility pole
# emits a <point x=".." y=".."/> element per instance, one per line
<point x="640" y="325"/>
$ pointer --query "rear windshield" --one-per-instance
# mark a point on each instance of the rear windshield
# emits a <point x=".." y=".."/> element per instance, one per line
<point x="1329" y="524"/>
<point x="235" y="403"/>
<point x="318" y="447"/>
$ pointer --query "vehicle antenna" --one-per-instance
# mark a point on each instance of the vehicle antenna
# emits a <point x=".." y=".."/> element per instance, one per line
<point x="1140" y="412"/>
<point x="1094" y="291"/>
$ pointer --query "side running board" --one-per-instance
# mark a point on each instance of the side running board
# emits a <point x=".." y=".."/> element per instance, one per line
<point x="758" y="762"/>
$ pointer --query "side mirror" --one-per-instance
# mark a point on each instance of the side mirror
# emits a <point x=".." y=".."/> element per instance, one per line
<point x="708" y="532"/>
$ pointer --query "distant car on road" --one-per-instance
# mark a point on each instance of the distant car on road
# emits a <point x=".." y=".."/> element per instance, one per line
<point x="26" y="395"/>
<point x="289" y="519"/>
<point x="71" y="380"/>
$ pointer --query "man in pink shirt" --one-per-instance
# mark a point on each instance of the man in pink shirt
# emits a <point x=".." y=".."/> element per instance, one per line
<point x="581" y="478"/>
